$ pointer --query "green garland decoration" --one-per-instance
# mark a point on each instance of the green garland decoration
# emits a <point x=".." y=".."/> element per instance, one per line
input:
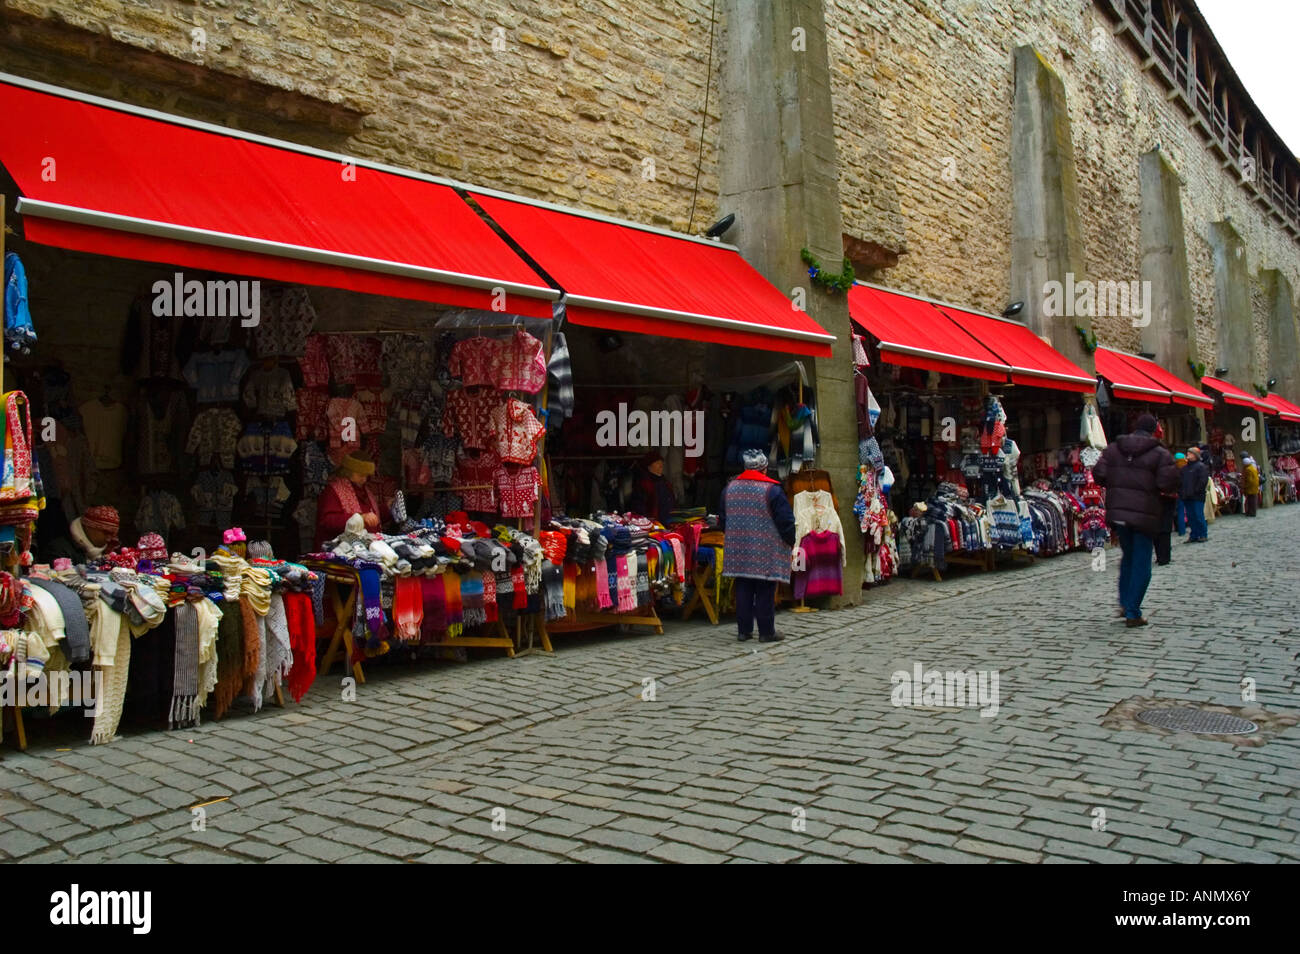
<point x="1087" y="337"/>
<point x="830" y="281"/>
<point x="1197" y="368"/>
<point x="1261" y="390"/>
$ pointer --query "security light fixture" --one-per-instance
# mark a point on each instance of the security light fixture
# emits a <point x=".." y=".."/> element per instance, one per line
<point x="1220" y="372"/>
<point x="1149" y="355"/>
<point x="719" y="228"/>
<point x="1013" y="309"/>
<point x="1272" y="383"/>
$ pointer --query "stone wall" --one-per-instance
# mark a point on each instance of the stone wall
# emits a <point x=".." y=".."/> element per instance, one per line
<point x="923" y="117"/>
<point x="594" y="103"/>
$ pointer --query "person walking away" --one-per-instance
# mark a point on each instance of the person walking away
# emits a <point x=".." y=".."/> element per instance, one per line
<point x="1180" y="512"/>
<point x="1168" y="504"/>
<point x="1193" y="481"/>
<point x="757" y="546"/>
<point x="1249" y="486"/>
<point x="1135" y="469"/>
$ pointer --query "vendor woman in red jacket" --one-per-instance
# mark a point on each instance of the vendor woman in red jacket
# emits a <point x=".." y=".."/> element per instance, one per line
<point x="344" y="495"/>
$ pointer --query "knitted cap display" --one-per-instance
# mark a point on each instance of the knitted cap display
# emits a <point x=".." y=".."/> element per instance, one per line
<point x="233" y="535"/>
<point x="754" y="459"/>
<point x="101" y="518"/>
<point x="152" y="547"/>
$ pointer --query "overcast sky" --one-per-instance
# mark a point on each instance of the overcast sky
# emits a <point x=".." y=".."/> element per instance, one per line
<point x="1260" y="39"/>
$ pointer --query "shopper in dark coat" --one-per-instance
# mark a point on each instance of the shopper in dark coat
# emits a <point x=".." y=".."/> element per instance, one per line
<point x="651" y="496"/>
<point x="1135" y="469"/>
<point x="1168" y="506"/>
<point x="1194" y="478"/>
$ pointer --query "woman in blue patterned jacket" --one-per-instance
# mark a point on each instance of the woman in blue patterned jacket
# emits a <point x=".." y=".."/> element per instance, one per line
<point x="759" y="527"/>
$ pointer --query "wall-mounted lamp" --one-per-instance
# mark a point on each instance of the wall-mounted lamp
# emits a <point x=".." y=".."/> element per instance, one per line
<point x="719" y="228"/>
<point x="1220" y="372"/>
<point x="1149" y="355"/>
<point x="1013" y="309"/>
<point x="1272" y="383"/>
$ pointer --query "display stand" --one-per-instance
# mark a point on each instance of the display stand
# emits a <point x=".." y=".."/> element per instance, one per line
<point x="581" y="620"/>
<point x="702" y="576"/>
<point x="19" y="729"/>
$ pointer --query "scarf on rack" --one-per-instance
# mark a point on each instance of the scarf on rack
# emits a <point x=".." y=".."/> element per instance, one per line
<point x="471" y="598"/>
<point x="279" y="645"/>
<point x="302" y="641"/>
<point x="490" y="596"/>
<point x="642" y="576"/>
<point x="230" y="659"/>
<point x="626" y="577"/>
<point x="553" y="588"/>
<point x="520" y="584"/>
<point x="408" y="607"/>
<point x="455" y="616"/>
<point x="434" y="593"/>
<point x="570" y="586"/>
<point x="603" y="600"/>
<point x="209" y="618"/>
<point x="108" y="708"/>
<point x="77" y="629"/>
<point x="376" y="628"/>
<point x="183" y="711"/>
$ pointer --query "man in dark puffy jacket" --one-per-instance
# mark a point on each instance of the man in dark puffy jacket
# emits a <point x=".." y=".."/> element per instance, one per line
<point x="1194" y="478"/>
<point x="1135" y="470"/>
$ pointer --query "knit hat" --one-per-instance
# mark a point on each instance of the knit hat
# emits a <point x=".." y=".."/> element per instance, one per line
<point x="152" y="547"/>
<point x="1193" y="453"/>
<point x="356" y="464"/>
<point x="101" y="518"/>
<point x="1146" y="422"/>
<point x="233" y="535"/>
<point x="1180" y="457"/>
<point x="754" y="459"/>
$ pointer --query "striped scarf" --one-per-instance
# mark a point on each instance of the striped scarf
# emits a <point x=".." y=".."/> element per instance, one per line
<point x="185" y="669"/>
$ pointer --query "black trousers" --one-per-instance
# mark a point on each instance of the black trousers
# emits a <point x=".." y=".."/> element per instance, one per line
<point x="755" y="600"/>
<point x="1163" y="548"/>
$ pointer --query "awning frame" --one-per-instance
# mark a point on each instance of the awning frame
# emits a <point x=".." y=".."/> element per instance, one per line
<point x="687" y="317"/>
<point x="245" y="243"/>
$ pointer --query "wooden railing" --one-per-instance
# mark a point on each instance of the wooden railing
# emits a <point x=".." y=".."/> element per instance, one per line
<point x="1174" y="67"/>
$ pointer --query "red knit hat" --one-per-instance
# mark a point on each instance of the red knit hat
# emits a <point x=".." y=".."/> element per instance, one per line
<point x="101" y="518"/>
<point x="152" y="547"/>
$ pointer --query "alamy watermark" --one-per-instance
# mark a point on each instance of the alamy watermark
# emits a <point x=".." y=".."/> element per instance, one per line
<point x="230" y="298"/>
<point x="1089" y="299"/>
<point x="81" y="689"/>
<point x="623" y="428"/>
<point x="951" y="689"/>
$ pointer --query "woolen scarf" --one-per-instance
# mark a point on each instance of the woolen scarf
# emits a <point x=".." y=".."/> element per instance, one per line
<point x="230" y="659"/>
<point x="408" y="607"/>
<point x="626" y="582"/>
<point x="434" y="592"/>
<point x="76" y="642"/>
<point x="108" y="709"/>
<point x="490" y="595"/>
<point x="302" y="640"/>
<point x="602" y="585"/>
<point x="279" y="645"/>
<point x="471" y="599"/>
<point x="553" y="587"/>
<point x="376" y="626"/>
<point x="183" y="711"/>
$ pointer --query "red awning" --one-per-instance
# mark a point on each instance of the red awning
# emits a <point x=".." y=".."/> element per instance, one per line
<point x="628" y="277"/>
<point x="1273" y="406"/>
<point x="914" y="333"/>
<point x="1180" y="390"/>
<point x="1032" y="360"/>
<point x="1127" y="381"/>
<point x="111" y="179"/>
<point x="1232" y="394"/>
<point x="1288" y="411"/>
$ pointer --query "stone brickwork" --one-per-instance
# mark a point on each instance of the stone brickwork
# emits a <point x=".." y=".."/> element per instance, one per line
<point x="594" y="103"/>
<point x="923" y="118"/>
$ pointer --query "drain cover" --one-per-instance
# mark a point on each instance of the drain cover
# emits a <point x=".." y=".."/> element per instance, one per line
<point x="1198" y="721"/>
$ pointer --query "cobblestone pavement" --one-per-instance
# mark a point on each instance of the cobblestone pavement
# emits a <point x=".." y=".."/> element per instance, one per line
<point x="780" y="752"/>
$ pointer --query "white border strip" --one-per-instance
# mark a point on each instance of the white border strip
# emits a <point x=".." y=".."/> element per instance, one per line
<point x="1167" y="395"/>
<point x="951" y="359"/>
<point x="693" y="318"/>
<point x="1233" y="394"/>
<point x="244" y="243"/>
<point x="336" y="156"/>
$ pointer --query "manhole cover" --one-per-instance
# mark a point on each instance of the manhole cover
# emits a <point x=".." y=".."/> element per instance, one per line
<point x="1198" y="721"/>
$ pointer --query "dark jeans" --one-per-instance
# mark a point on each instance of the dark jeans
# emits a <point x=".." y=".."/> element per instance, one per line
<point x="1134" y="569"/>
<point x="1197" y="528"/>
<point x="755" y="600"/>
<point x="1250" y="504"/>
<point x="1180" y="517"/>
<point x="1164" y="549"/>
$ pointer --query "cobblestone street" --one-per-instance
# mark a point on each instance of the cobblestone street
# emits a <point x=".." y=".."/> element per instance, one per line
<point x="747" y="752"/>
